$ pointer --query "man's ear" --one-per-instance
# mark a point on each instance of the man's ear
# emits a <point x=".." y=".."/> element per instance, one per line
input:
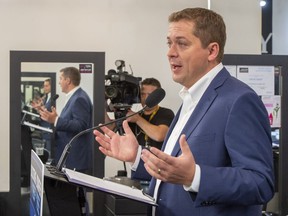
<point x="68" y="80"/>
<point x="213" y="49"/>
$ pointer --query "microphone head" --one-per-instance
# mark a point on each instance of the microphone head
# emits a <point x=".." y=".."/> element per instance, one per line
<point x="55" y="97"/>
<point x="155" y="97"/>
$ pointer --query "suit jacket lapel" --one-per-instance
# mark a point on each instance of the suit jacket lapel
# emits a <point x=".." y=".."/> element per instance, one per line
<point x="69" y="101"/>
<point x="65" y="107"/>
<point x="201" y="109"/>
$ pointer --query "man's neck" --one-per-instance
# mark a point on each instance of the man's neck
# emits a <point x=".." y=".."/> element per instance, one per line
<point x="71" y="90"/>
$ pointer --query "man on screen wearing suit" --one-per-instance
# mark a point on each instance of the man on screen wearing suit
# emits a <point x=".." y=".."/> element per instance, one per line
<point x="216" y="159"/>
<point x="75" y="117"/>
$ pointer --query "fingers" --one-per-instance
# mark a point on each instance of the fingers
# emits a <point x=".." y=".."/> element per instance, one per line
<point x="53" y="109"/>
<point x="165" y="157"/>
<point x="105" y="151"/>
<point x="165" y="167"/>
<point x="186" y="151"/>
<point x="184" y="145"/>
<point x="44" y="113"/>
<point x="41" y="108"/>
<point x="101" y="137"/>
<point x="155" y="172"/>
<point x="126" y="127"/>
<point x="154" y="165"/>
<point x="107" y="131"/>
<point x="160" y="155"/>
<point x="109" y="134"/>
<point x="104" y="140"/>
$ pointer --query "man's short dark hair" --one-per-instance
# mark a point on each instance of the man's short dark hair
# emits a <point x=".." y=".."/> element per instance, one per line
<point x="73" y="74"/>
<point x="152" y="82"/>
<point x="48" y="80"/>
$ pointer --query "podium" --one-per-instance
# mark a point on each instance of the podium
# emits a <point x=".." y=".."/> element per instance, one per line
<point x="122" y="198"/>
<point x="61" y="195"/>
<point x="123" y="195"/>
<point x="120" y="206"/>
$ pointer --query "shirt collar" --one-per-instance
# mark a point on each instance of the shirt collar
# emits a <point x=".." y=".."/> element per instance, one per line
<point x="48" y="96"/>
<point x="69" y="94"/>
<point x="197" y="90"/>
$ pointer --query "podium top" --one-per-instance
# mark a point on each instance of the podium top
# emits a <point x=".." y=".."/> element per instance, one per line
<point x="105" y="185"/>
<point x="49" y="130"/>
<point x="108" y="186"/>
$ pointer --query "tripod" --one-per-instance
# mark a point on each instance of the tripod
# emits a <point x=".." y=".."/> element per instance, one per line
<point x="120" y="113"/>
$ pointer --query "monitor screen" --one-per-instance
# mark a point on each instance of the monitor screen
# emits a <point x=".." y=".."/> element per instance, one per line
<point x="275" y="134"/>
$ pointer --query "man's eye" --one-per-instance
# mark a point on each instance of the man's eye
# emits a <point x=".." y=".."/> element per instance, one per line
<point x="169" y="43"/>
<point x="181" y="43"/>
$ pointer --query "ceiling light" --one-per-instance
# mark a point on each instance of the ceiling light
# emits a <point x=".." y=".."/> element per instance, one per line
<point x="262" y="3"/>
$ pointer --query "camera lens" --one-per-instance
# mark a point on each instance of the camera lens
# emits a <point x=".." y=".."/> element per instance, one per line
<point x="111" y="92"/>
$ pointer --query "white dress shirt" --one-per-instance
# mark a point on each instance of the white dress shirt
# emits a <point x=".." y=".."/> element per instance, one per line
<point x="68" y="96"/>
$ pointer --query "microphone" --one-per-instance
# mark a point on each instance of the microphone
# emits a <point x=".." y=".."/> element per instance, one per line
<point x="55" y="97"/>
<point x="152" y="100"/>
<point x="53" y="100"/>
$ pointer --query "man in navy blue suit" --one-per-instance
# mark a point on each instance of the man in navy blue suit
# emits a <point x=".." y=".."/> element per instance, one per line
<point x="75" y="117"/>
<point x="216" y="159"/>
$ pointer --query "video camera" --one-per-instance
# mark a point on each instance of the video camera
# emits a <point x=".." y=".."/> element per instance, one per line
<point x="122" y="88"/>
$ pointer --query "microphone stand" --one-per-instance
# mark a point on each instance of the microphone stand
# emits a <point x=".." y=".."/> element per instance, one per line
<point x="119" y="129"/>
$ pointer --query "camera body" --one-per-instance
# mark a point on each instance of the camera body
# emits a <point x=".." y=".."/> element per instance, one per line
<point x="122" y="89"/>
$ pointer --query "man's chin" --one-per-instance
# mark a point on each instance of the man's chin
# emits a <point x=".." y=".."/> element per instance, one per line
<point x="177" y="79"/>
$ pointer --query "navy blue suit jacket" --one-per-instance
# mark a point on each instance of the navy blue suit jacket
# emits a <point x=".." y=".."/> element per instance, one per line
<point x="75" y="117"/>
<point x="229" y="136"/>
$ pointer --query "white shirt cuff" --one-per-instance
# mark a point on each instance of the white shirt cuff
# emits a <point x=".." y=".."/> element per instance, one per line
<point x="137" y="160"/>
<point x="56" y="120"/>
<point x="194" y="187"/>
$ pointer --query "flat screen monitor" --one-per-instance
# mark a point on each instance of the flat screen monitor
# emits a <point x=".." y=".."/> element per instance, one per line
<point x="275" y="135"/>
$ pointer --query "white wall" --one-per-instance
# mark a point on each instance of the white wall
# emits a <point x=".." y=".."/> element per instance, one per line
<point x="280" y="27"/>
<point x="132" y="30"/>
<point x="243" y="23"/>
